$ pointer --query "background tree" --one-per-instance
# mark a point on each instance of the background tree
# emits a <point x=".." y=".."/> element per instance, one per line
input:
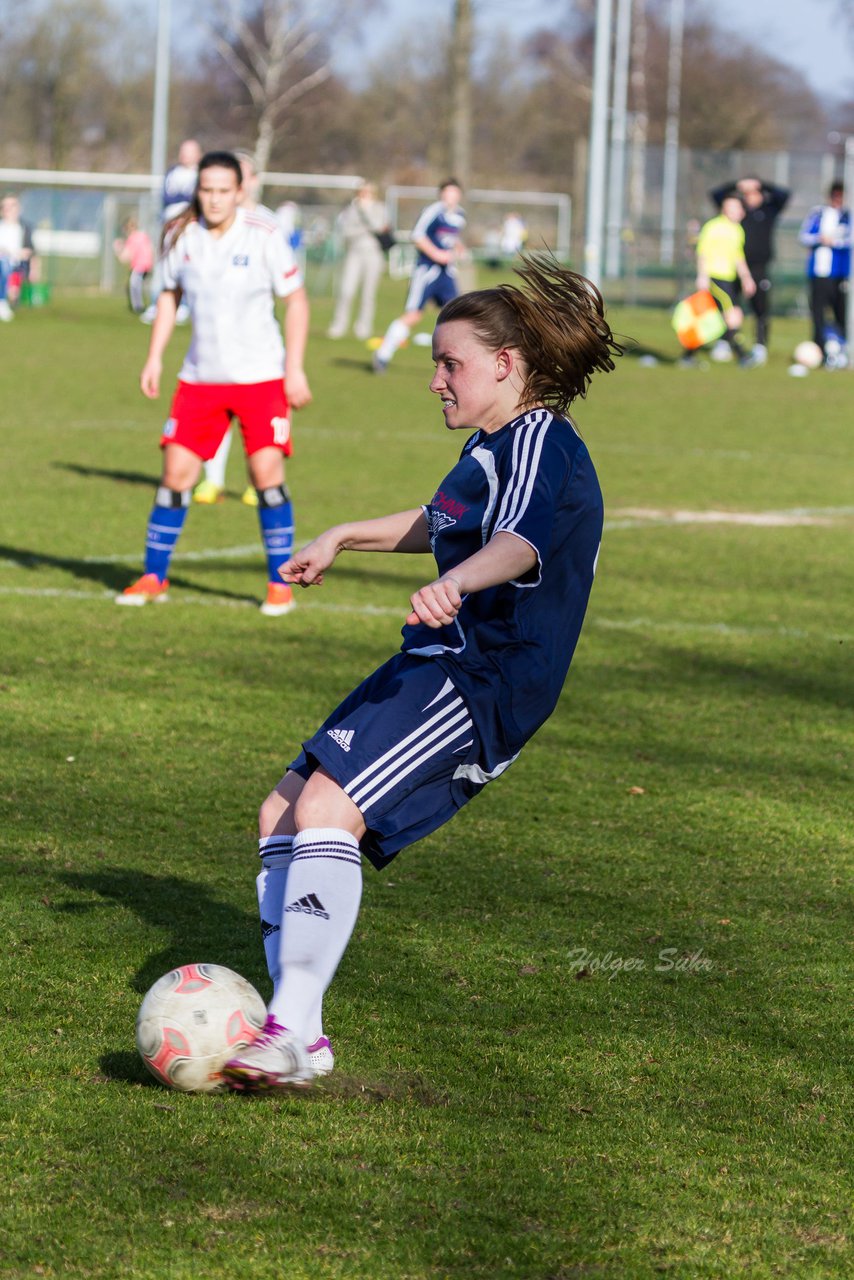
<point x="279" y="52"/>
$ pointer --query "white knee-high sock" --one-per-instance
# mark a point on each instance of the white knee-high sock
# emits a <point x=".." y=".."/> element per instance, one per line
<point x="395" y="336"/>
<point x="323" y="893"/>
<point x="215" y="466"/>
<point x="275" y="854"/>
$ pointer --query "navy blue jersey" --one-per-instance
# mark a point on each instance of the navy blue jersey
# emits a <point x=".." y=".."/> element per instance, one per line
<point x="509" y="648"/>
<point x="441" y="226"/>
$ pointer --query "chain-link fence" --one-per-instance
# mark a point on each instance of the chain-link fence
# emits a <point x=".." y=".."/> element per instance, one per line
<point x="76" y="218"/>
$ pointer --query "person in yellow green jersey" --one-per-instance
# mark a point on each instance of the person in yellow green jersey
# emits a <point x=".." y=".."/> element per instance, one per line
<point x="723" y="270"/>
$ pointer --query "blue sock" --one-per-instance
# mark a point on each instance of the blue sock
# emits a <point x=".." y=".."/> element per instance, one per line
<point x="164" y="528"/>
<point x="276" y="516"/>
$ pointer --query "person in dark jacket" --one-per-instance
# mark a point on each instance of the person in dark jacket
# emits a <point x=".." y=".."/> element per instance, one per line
<point x="763" y="203"/>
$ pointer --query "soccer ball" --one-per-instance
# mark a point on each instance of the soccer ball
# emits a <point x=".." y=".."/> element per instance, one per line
<point x="809" y="354"/>
<point x="192" y="1020"/>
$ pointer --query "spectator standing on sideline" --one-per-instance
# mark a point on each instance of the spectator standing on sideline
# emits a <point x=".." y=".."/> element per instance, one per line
<point x="179" y="187"/>
<point x="360" y="222"/>
<point x="436" y="237"/>
<point x="763" y="203"/>
<point x="722" y="270"/>
<point x="515" y="529"/>
<point x="211" y="488"/>
<point x="18" y="261"/>
<point x="514" y="235"/>
<point x="228" y="265"/>
<point x="826" y="232"/>
<point x="137" y="253"/>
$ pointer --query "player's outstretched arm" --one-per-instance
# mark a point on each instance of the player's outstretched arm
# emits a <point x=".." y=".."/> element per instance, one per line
<point x="505" y="558"/>
<point x="404" y="531"/>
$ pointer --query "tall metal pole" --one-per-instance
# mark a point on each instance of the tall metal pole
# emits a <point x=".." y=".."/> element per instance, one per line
<point x="596" y="175"/>
<point x="461" y="64"/>
<point x="671" y="132"/>
<point x="160" y="113"/>
<point x="617" y="165"/>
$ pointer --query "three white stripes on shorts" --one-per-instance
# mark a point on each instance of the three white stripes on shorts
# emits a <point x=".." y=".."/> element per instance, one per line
<point x="450" y="723"/>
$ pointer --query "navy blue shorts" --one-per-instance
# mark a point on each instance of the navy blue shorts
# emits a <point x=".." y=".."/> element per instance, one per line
<point x="403" y="747"/>
<point x="431" y="283"/>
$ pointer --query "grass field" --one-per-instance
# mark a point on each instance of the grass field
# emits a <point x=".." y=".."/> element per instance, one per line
<point x="598" y="1026"/>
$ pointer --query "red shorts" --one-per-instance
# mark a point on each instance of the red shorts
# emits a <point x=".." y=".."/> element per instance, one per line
<point x="202" y="412"/>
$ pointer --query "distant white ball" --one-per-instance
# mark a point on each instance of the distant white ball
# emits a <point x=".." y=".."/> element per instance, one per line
<point x="192" y="1020"/>
<point x="809" y="354"/>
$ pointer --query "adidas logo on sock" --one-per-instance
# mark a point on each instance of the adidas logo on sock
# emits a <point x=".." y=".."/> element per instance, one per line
<point x="342" y="736"/>
<point x="310" y="905"/>
<point x="268" y="929"/>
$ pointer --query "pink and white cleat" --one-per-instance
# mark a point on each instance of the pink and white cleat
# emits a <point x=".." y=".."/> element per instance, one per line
<point x="276" y="1060"/>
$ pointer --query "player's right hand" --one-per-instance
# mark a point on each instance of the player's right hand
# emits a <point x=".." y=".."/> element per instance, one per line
<point x="307" y="567"/>
<point x="149" y="379"/>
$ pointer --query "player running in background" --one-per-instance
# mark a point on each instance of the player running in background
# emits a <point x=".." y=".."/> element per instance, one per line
<point x="228" y="266"/>
<point x="436" y="237"/>
<point x="515" y="530"/>
<point x="722" y="270"/>
<point x="763" y="203"/>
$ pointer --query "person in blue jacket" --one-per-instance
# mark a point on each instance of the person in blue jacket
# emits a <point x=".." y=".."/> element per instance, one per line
<point x="826" y="232"/>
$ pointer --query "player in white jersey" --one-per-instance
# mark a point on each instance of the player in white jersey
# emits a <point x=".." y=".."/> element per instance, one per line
<point x="228" y="266"/>
<point x="211" y="489"/>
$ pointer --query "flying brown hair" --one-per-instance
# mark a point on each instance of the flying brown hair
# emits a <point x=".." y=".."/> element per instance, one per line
<point x="557" y="324"/>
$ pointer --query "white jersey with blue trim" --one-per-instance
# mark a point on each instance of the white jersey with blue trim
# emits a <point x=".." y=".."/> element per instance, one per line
<point x="229" y="283"/>
<point x="509" y="648"/>
<point x="441" y="226"/>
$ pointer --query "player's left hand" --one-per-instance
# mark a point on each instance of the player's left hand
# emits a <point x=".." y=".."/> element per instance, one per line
<point x="297" y="388"/>
<point x="436" y="605"/>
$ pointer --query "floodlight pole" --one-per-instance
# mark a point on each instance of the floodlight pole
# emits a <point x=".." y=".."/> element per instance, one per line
<point x="671" y="132"/>
<point x="848" y="180"/>
<point x="596" y="175"/>
<point x="160" y="113"/>
<point x="617" y="165"/>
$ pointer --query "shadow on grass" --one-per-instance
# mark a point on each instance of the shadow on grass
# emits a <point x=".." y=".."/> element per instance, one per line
<point x="123" y="477"/>
<point x="351" y="362"/>
<point x="202" y="928"/>
<point x="124" y="1065"/>
<point x="113" y="576"/>
<point x="102" y="473"/>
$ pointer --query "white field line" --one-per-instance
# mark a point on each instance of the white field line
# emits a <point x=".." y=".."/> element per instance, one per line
<point x="638" y="517"/>
<point x="253" y="549"/>
<point x="620" y="518"/>
<point x="354" y="436"/>
<point x="674" y="627"/>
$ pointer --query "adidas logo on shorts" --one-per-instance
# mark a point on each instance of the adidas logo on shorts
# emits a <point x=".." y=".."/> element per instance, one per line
<point x="309" y="905"/>
<point x="342" y="736"/>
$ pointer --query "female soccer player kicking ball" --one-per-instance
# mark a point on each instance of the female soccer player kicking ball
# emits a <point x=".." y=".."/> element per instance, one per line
<point x="515" y="530"/>
<point x="227" y="265"/>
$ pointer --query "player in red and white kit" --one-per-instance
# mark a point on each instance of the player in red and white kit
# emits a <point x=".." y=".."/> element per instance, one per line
<point x="228" y="266"/>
